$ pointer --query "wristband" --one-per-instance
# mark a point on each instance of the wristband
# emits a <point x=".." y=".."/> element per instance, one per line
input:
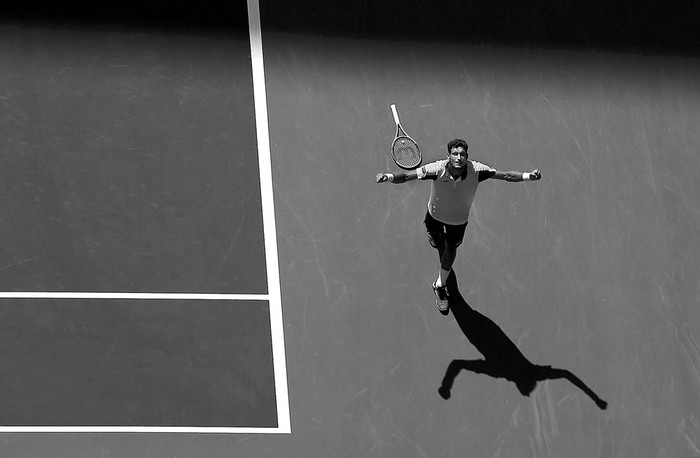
<point x="526" y="176"/>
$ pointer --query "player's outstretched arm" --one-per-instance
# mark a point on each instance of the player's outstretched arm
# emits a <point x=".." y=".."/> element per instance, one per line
<point x="518" y="176"/>
<point x="397" y="178"/>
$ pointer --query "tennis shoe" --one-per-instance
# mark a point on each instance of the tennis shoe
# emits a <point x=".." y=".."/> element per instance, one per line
<point x="441" y="298"/>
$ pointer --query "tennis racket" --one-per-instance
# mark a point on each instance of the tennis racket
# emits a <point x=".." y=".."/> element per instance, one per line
<point x="404" y="150"/>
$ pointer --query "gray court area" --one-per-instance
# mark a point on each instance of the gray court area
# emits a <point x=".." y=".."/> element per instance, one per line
<point x="128" y="164"/>
<point x="98" y="363"/>
<point x="593" y="270"/>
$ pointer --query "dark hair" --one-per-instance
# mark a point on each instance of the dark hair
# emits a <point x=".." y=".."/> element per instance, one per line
<point x="455" y="143"/>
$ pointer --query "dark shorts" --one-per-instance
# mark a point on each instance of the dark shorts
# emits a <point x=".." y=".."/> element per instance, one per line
<point x="439" y="231"/>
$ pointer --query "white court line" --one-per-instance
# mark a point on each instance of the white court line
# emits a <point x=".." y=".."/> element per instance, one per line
<point x="274" y="296"/>
<point x="144" y="296"/>
<point x="136" y="429"/>
<point x="269" y="225"/>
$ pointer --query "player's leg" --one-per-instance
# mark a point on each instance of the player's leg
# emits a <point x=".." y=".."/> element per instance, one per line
<point x="436" y="233"/>
<point x="436" y="238"/>
<point x="454" y="235"/>
<point x="453" y="239"/>
<point x="447" y="258"/>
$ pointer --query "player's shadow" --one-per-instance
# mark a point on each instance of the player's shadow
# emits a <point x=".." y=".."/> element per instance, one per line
<point x="502" y="359"/>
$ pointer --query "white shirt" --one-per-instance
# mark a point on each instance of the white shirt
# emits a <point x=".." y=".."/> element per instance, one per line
<point x="451" y="199"/>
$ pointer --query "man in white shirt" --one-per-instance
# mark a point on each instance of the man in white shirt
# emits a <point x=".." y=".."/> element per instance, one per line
<point x="454" y="184"/>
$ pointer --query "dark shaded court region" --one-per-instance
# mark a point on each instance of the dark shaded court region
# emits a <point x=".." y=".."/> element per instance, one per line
<point x="128" y="163"/>
<point x="136" y="363"/>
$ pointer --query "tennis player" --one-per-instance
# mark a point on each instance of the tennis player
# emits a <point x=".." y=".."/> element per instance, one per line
<point x="454" y="184"/>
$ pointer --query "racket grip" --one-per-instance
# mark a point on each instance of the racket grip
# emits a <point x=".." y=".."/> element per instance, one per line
<point x="395" y="113"/>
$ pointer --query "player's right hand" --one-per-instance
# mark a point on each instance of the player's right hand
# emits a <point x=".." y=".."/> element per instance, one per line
<point x="382" y="177"/>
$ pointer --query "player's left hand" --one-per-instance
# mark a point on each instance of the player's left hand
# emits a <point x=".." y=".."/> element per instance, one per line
<point x="535" y="175"/>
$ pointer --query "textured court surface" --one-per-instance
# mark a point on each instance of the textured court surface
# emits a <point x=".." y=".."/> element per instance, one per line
<point x="129" y="165"/>
<point x="138" y="363"/>
<point x="594" y="269"/>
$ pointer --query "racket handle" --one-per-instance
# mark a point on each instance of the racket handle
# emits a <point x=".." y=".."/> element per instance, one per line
<point x="395" y="113"/>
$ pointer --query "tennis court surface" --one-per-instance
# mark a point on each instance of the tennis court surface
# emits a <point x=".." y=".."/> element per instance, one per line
<point x="143" y="305"/>
<point x="135" y="260"/>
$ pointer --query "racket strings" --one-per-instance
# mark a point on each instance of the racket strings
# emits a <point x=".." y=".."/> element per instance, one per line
<point x="406" y="152"/>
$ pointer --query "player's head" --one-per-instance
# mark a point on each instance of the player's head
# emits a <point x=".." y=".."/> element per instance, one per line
<point x="457" y="155"/>
<point x="456" y="143"/>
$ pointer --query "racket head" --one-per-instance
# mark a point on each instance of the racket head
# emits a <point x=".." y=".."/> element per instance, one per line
<point x="406" y="153"/>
